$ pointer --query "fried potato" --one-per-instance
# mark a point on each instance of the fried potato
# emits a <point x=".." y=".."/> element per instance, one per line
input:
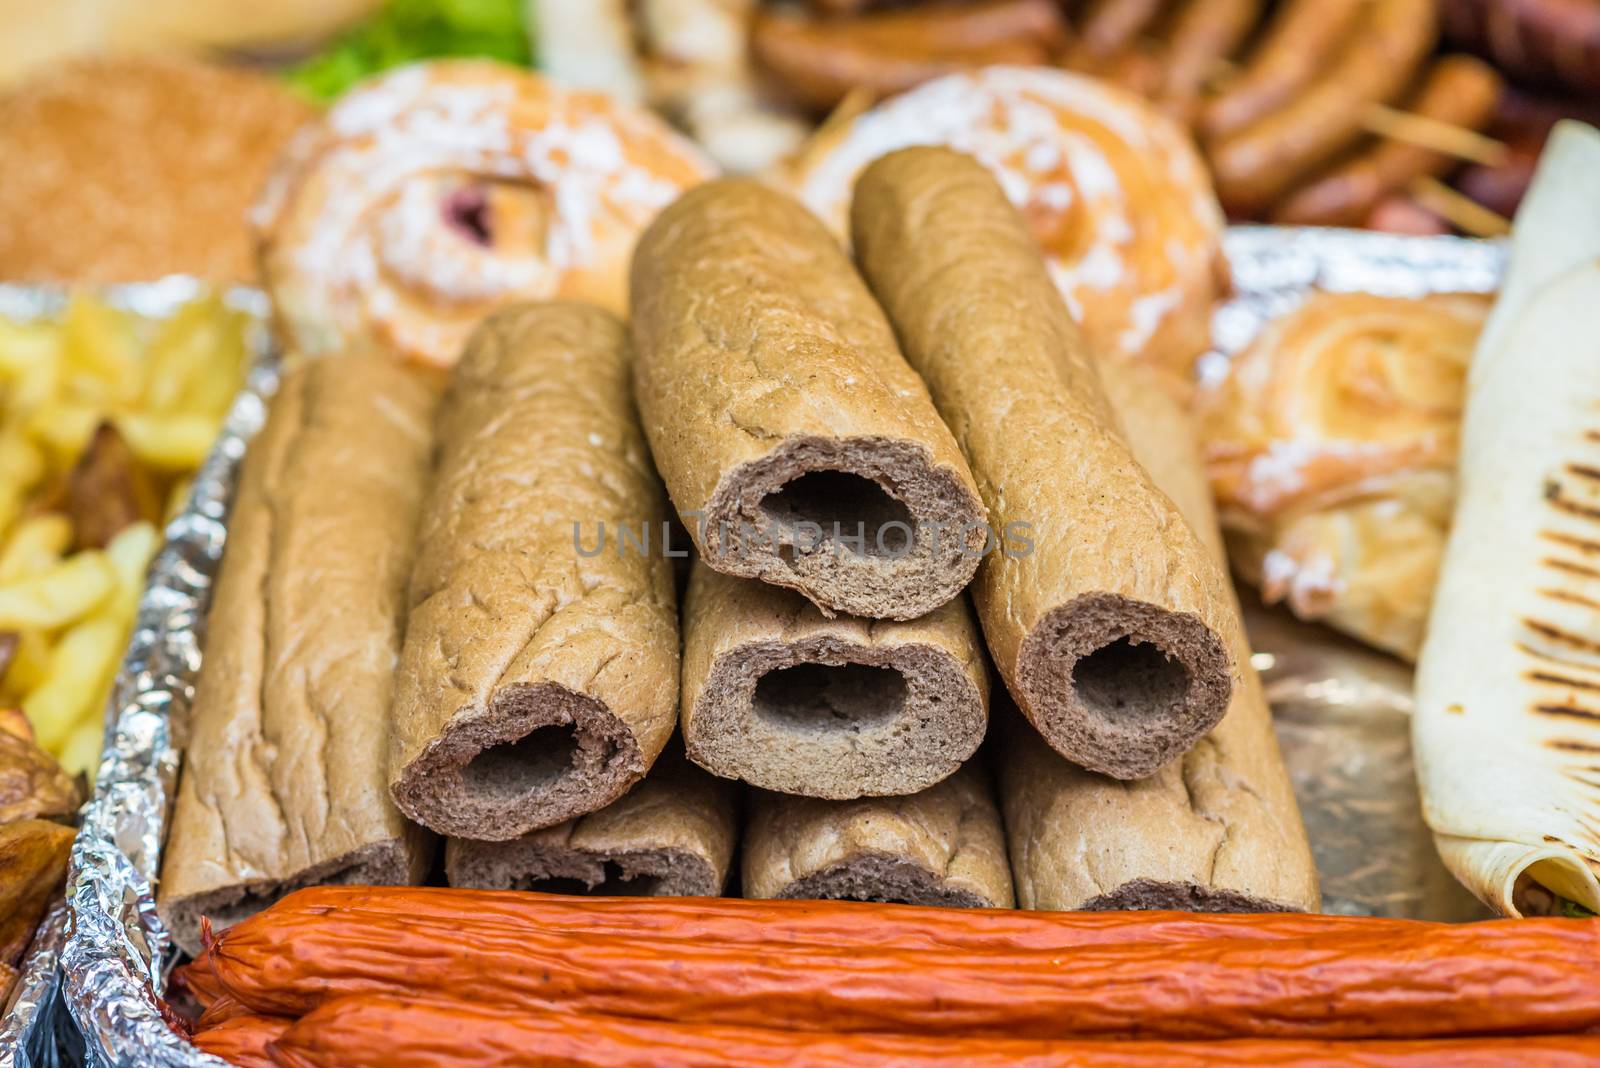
<point x="33" y="864"/>
<point x="100" y="344"/>
<point x="173" y="442"/>
<point x="58" y="595"/>
<point x="36" y="544"/>
<point x="32" y="785"/>
<point x="75" y="683"/>
<point x="108" y="490"/>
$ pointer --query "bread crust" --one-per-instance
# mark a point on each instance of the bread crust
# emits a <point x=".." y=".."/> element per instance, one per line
<point x="1216" y="831"/>
<point x="774" y="396"/>
<point x="784" y="698"/>
<point x="672" y="835"/>
<point x="539" y="678"/>
<point x="1111" y="623"/>
<point x="942" y="846"/>
<point x="284" y="782"/>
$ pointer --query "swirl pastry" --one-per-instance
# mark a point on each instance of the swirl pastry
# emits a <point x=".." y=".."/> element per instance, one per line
<point x="1113" y="191"/>
<point x="1331" y="447"/>
<point x="432" y="194"/>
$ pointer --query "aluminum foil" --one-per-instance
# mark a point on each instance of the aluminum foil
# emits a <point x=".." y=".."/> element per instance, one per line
<point x="117" y="954"/>
<point x="111" y="948"/>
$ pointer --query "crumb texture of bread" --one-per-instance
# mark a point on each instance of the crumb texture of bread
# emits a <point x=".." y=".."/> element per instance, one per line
<point x="1107" y="617"/>
<point x="672" y="835"/>
<point x="284" y="783"/>
<point x="1219" y="829"/>
<point x="539" y="677"/>
<point x="796" y="443"/>
<point x="782" y="697"/>
<point x="941" y="846"/>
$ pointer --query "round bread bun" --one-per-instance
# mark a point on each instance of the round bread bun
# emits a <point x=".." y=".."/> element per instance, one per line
<point x="128" y="169"/>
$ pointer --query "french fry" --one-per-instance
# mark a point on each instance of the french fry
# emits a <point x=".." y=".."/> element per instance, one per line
<point x="63" y="428"/>
<point x="76" y="679"/>
<point x="80" y="753"/>
<point x="100" y="341"/>
<point x="66" y="591"/>
<point x="187" y="347"/>
<point x="35" y="545"/>
<point x="130" y="553"/>
<point x="22" y="345"/>
<point x="35" y="385"/>
<point x="28" y="665"/>
<point x="174" y="442"/>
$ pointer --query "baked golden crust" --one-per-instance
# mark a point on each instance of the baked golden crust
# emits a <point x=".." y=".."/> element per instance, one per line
<point x="284" y="784"/>
<point x="431" y="195"/>
<point x="133" y="169"/>
<point x="1102" y="598"/>
<point x="1331" y="448"/>
<point x="539" y="676"/>
<point x="1114" y="193"/>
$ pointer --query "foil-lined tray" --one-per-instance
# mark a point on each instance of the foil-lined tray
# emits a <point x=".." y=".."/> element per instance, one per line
<point x="117" y="954"/>
<point x="107" y="921"/>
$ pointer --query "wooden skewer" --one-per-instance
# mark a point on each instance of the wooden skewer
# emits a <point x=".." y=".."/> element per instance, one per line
<point x="1440" y="136"/>
<point x="1457" y="209"/>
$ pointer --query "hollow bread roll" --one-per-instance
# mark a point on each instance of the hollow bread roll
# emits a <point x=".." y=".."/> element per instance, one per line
<point x="1108" y="619"/>
<point x="672" y="835"/>
<point x="1218" y="830"/>
<point x="782" y="697"/>
<point x="942" y="846"/>
<point x="284" y="780"/>
<point x="796" y="444"/>
<point x="1113" y="193"/>
<point x="430" y="195"/>
<point x="539" y="678"/>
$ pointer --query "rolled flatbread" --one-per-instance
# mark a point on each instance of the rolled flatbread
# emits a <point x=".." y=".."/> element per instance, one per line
<point x="1106" y="616"/>
<point x="1217" y="830"/>
<point x="284" y="781"/>
<point x="539" y="677"/>
<point x="672" y="835"/>
<point x="796" y="444"/>
<point x="777" y="694"/>
<point x="1507" y="725"/>
<point x="942" y="846"/>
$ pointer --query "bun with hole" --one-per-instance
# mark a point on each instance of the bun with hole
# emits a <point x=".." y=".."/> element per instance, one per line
<point x="539" y="677"/>
<point x="284" y="782"/>
<point x="672" y="835"/>
<point x="782" y="697"/>
<point x="941" y="846"/>
<point x="1107" y="618"/>
<point x="796" y="444"/>
<point x="1217" y="830"/>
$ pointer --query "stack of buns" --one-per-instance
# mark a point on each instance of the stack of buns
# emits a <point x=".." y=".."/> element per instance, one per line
<point x="909" y="497"/>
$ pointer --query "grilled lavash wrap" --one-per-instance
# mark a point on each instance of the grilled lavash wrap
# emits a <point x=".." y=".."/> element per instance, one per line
<point x="1507" y="724"/>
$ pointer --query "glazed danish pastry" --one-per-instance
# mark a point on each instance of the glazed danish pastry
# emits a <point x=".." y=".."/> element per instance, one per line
<point x="1113" y="191"/>
<point x="1331" y="446"/>
<point x="433" y="194"/>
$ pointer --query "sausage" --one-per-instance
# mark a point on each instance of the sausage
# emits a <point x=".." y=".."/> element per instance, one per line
<point x="1109" y="26"/>
<point x="402" y="1032"/>
<point x="242" y="1040"/>
<point x="1300" y="40"/>
<point x="1519" y="977"/>
<point x="820" y="60"/>
<point x="1460" y="91"/>
<point x="1257" y="164"/>
<point x="1204" y="33"/>
<point x="1549" y="41"/>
